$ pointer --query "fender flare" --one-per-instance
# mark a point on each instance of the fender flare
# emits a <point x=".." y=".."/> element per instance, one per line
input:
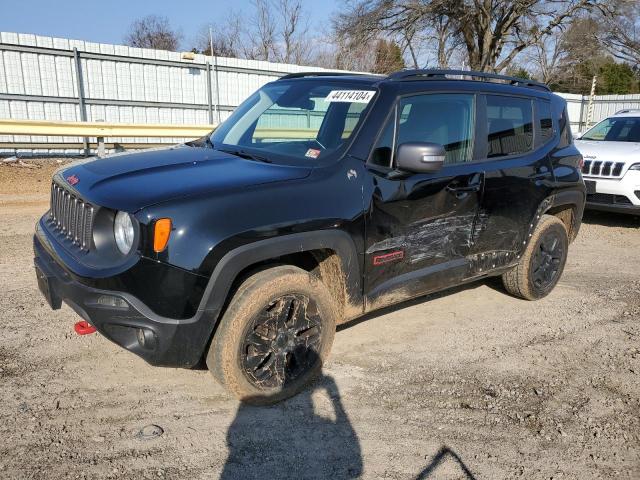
<point x="236" y="260"/>
<point x="569" y="198"/>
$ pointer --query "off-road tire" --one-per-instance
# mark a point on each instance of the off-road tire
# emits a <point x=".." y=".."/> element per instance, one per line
<point x="519" y="281"/>
<point x="251" y="300"/>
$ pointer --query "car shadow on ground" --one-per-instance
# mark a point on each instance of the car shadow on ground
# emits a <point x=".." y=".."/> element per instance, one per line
<point x="293" y="439"/>
<point x="611" y="219"/>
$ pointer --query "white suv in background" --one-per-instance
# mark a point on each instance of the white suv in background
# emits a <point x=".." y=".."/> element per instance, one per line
<point x="611" y="170"/>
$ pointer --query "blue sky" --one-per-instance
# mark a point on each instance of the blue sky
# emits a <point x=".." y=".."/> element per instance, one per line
<point x="108" y="21"/>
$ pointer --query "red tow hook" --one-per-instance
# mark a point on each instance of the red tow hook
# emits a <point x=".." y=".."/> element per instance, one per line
<point x="84" y="328"/>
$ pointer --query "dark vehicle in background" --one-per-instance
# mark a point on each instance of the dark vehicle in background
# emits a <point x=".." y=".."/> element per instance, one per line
<point x="321" y="198"/>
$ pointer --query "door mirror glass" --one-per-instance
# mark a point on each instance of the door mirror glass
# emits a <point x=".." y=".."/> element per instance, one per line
<point x="420" y="157"/>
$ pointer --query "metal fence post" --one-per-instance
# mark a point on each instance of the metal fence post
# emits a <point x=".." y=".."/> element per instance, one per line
<point x="215" y="71"/>
<point x="209" y="93"/>
<point x="81" y="103"/>
<point x="581" y="113"/>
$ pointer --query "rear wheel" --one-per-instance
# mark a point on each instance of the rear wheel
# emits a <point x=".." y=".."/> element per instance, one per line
<point x="274" y="336"/>
<point x="542" y="262"/>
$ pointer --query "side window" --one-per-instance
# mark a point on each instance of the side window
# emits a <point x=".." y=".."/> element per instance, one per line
<point x="383" y="150"/>
<point x="510" y="126"/>
<point x="545" y="121"/>
<point x="443" y="118"/>
<point x="566" y="138"/>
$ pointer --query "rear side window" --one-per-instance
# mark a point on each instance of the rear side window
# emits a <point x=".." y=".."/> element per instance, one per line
<point x="545" y="121"/>
<point x="564" y="127"/>
<point x="510" y="126"/>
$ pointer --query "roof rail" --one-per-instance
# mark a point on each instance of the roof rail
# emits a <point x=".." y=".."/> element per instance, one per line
<point x="318" y="74"/>
<point x="627" y="110"/>
<point x="465" y="75"/>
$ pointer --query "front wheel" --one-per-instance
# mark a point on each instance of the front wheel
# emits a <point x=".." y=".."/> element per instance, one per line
<point x="542" y="262"/>
<point x="274" y="336"/>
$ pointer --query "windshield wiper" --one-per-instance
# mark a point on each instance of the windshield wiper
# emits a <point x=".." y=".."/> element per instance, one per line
<point x="246" y="155"/>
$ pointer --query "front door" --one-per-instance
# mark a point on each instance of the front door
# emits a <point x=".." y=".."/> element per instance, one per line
<point x="419" y="227"/>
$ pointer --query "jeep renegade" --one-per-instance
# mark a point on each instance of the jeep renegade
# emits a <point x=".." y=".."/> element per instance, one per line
<point x="321" y="198"/>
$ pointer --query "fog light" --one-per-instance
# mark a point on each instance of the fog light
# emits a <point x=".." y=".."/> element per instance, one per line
<point x="111" y="301"/>
<point x="140" y="335"/>
<point x="146" y="338"/>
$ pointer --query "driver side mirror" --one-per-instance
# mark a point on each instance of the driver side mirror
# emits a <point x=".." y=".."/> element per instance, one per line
<point x="420" y="157"/>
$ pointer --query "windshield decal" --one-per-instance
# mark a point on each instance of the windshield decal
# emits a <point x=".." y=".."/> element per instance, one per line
<point x="312" y="153"/>
<point x="350" y="96"/>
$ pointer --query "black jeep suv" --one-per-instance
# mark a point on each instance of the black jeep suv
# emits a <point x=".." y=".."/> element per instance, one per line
<point x="321" y="198"/>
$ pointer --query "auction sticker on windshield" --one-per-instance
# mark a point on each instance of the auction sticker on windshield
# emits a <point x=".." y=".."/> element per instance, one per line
<point x="350" y="96"/>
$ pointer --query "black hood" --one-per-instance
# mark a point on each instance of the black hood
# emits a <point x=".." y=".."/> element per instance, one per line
<point x="133" y="181"/>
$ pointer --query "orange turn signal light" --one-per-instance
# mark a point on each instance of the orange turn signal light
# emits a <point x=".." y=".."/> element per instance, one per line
<point x="161" y="233"/>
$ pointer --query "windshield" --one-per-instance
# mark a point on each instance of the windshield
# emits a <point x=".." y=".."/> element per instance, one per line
<point x="616" y="129"/>
<point x="305" y="121"/>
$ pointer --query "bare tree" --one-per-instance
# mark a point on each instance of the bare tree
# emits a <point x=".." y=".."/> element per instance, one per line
<point x="353" y="55"/>
<point x="154" y="32"/>
<point x="275" y="30"/>
<point x="622" y="36"/>
<point x="226" y="38"/>
<point x="493" y="32"/>
<point x="294" y="32"/>
<point x="265" y="26"/>
<point x="546" y="55"/>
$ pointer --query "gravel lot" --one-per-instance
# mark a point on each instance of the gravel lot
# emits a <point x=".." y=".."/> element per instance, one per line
<point x="470" y="384"/>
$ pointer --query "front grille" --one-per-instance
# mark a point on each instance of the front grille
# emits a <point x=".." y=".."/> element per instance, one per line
<point x="602" y="169"/>
<point x="71" y="217"/>
<point x="608" y="199"/>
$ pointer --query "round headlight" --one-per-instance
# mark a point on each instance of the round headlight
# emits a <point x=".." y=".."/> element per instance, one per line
<point x="124" y="232"/>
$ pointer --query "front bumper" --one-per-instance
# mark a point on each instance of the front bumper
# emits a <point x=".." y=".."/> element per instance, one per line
<point x="616" y="194"/>
<point x="124" y="319"/>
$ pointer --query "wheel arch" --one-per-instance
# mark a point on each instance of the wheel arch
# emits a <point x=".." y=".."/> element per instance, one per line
<point x="330" y="254"/>
<point x="568" y="206"/>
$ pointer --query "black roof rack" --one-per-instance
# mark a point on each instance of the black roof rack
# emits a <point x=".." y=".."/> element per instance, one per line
<point x="321" y="74"/>
<point x="465" y="75"/>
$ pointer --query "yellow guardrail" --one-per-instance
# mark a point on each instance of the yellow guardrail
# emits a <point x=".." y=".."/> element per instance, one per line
<point x="100" y="129"/>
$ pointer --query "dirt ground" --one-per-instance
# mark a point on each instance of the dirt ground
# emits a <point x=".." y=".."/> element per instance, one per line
<point x="467" y="384"/>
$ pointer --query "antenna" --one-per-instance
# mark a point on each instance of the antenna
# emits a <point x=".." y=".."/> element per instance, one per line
<point x="210" y="41"/>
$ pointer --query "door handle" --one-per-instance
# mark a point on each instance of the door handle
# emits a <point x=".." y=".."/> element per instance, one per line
<point x="465" y="189"/>
<point x="541" y="176"/>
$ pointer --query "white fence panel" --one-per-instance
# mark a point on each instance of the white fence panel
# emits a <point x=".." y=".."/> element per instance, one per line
<point x="38" y="80"/>
<point x="603" y="107"/>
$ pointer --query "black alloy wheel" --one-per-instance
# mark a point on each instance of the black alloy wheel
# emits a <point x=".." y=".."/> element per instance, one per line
<point x="547" y="259"/>
<point x="283" y="342"/>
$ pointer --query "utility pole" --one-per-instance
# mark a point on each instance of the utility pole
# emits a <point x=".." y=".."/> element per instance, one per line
<point x="215" y="72"/>
<point x="591" y="101"/>
<point x="210" y="41"/>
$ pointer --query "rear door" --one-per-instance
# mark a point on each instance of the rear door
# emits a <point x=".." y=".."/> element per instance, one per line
<point x="515" y="147"/>
<point x="419" y="227"/>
